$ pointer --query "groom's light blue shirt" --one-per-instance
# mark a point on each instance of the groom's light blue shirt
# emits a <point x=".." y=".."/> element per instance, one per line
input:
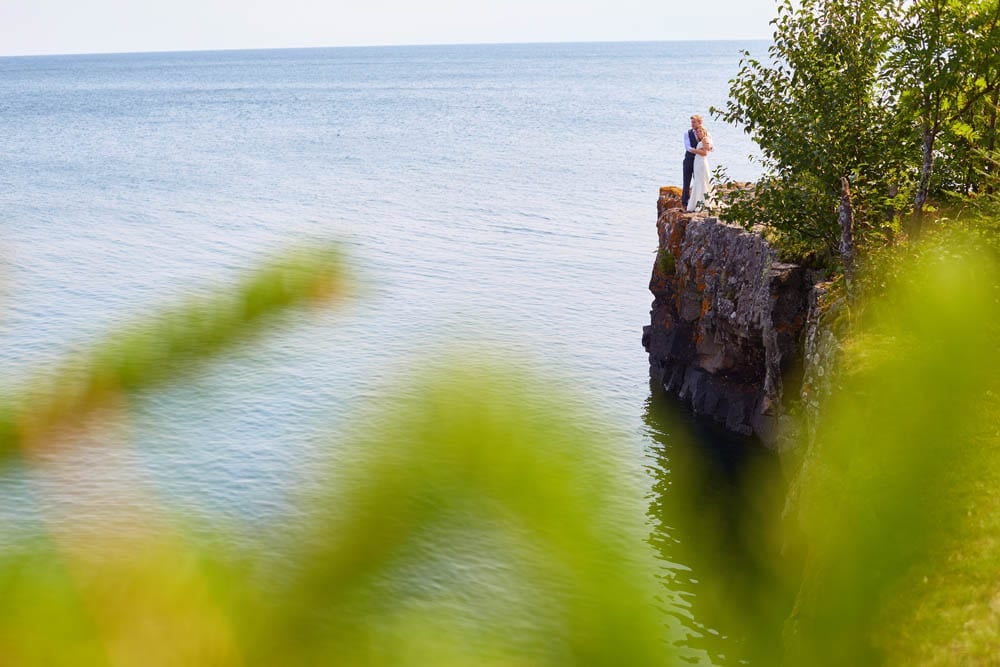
<point x="687" y="142"/>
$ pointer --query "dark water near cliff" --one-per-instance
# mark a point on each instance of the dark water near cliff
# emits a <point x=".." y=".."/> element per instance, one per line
<point x="715" y="496"/>
<point x="499" y="198"/>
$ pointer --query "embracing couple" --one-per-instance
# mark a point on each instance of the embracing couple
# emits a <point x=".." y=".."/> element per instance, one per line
<point x="697" y="179"/>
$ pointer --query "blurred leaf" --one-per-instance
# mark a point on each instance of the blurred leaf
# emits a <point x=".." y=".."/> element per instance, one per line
<point x="163" y="348"/>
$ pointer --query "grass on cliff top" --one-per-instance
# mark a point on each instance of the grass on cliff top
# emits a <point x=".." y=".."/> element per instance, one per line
<point x="904" y="443"/>
<point x="947" y="605"/>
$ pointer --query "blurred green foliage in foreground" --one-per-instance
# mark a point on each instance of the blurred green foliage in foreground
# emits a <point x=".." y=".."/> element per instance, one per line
<point x="483" y="523"/>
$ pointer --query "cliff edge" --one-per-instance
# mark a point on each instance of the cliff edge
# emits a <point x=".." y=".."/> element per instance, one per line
<point x="726" y="321"/>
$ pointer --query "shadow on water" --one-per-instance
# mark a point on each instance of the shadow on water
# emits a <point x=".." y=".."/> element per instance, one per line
<point x="715" y="504"/>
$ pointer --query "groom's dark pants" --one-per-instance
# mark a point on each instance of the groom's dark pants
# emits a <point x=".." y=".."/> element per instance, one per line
<point x="688" y="173"/>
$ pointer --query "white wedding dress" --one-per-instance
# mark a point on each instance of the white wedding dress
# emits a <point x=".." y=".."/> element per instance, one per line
<point x="701" y="180"/>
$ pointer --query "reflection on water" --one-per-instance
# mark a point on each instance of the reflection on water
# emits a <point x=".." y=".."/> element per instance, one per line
<point x="715" y="498"/>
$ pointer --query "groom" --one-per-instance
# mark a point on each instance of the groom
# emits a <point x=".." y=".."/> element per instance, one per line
<point x="690" y="141"/>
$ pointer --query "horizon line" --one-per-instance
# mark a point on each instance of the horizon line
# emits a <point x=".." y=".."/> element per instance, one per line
<point x="376" y="46"/>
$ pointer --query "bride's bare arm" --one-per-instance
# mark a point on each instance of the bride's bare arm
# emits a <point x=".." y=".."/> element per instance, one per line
<point x="706" y="148"/>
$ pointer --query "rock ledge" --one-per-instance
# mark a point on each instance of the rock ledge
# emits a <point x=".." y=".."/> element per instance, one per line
<point x="726" y="320"/>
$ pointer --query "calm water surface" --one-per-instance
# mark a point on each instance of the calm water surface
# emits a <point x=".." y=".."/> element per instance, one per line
<point x="498" y="198"/>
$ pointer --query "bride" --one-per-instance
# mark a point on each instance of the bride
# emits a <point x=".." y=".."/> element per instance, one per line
<point x="701" y="184"/>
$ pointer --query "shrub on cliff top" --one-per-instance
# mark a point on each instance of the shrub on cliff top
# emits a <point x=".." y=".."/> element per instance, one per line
<point x="818" y="112"/>
<point x="873" y="91"/>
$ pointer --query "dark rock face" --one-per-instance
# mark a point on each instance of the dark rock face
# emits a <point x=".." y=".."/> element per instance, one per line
<point x="726" y="320"/>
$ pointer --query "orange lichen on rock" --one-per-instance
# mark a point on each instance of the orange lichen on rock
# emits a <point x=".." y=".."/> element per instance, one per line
<point x="670" y="198"/>
<point x="676" y="228"/>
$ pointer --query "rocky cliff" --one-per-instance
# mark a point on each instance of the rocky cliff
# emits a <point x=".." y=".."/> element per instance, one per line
<point x="726" y="321"/>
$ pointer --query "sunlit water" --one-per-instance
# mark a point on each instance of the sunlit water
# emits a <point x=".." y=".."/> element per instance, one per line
<point x="493" y="199"/>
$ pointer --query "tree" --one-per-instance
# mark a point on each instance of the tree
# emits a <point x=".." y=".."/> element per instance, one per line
<point x="820" y="111"/>
<point x="944" y="66"/>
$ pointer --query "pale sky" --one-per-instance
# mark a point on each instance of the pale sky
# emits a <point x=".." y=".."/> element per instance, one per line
<point x="30" y="27"/>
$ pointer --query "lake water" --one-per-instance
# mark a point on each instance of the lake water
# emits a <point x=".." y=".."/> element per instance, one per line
<point x="497" y="198"/>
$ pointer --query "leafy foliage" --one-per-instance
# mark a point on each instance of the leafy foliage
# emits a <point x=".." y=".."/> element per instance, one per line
<point x="944" y="67"/>
<point x="162" y="348"/>
<point x="818" y="110"/>
<point x="486" y="471"/>
<point x="899" y="442"/>
<point x="880" y="92"/>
